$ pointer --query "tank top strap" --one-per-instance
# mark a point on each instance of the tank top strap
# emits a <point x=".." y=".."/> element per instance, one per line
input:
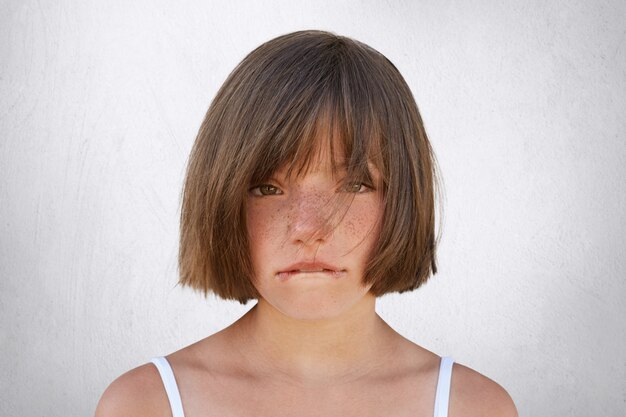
<point x="167" y="376"/>
<point x="442" y="395"/>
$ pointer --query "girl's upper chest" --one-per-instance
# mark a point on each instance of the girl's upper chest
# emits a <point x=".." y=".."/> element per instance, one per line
<point x="225" y="395"/>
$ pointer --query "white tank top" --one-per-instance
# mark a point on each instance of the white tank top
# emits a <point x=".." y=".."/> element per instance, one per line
<point x="442" y="395"/>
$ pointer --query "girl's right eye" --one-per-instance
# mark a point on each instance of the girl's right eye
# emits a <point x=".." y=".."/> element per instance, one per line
<point x="265" y="189"/>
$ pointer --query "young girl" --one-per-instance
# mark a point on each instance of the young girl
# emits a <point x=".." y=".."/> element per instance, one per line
<point x="310" y="188"/>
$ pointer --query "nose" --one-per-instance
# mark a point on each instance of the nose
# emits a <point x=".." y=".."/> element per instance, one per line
<point x="310" y="219"/>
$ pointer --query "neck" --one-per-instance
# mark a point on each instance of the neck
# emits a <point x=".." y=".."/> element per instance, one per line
<point x="337" y="349"/>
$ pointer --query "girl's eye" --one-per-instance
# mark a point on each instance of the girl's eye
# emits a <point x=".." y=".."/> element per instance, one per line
<point x="265" y="189"/>
<point x="356" y="187"/>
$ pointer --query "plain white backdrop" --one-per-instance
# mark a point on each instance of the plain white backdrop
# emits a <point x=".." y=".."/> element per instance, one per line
<point x="525" y="106"/>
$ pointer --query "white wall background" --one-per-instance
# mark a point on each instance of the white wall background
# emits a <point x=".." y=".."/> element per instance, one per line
<point x="525" y="106"/>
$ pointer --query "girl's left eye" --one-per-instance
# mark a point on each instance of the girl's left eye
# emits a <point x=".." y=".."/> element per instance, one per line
<point x="265" y="189"/>
<point x="356" y="187"/>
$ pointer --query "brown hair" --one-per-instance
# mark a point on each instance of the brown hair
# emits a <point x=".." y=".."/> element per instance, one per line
<point x="269" y="112"/>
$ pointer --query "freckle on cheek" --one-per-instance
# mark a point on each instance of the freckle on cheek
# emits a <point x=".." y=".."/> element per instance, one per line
<point x="269" y="225"/>
<point x="356" y="226"/>
<point x="359" y="225"/>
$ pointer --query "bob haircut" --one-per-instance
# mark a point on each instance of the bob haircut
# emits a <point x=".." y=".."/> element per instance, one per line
<point x="271" y="112"/>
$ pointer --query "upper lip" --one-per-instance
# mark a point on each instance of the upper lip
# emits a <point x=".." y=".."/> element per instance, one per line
<point x="310" y="267"/>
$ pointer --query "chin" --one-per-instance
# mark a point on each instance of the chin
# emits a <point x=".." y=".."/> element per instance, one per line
<point x="309" y="307"/>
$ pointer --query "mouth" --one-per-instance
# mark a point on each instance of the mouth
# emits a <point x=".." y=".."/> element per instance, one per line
<point x="310" y="270"/>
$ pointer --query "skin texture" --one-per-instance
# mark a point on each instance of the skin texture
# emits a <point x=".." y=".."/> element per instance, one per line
<point x="314" y="344"/>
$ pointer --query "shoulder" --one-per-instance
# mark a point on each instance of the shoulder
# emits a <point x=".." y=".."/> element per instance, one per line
<point x="473" y="394"/>
<point x="136" y="393"/>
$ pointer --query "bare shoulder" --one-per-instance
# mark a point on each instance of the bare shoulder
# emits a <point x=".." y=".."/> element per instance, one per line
<point x="136" y="393"/>
<point x="473" y="394"/>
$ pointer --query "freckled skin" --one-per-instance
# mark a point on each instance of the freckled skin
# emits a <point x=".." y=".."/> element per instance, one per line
<point x="297" y="225"/>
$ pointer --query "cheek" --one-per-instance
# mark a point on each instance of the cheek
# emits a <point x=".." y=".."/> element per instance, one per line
<point x="363" y="222"/>
<point x="263" y="225"/>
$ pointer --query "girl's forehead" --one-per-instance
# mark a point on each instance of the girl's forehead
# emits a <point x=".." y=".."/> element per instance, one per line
<point x="325" y="142"/>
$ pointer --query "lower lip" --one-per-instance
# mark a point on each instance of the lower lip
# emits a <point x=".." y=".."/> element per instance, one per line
<point x="284" y="276"/>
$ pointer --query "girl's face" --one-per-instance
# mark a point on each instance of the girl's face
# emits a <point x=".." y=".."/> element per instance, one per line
<point x="310" y="238"/>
